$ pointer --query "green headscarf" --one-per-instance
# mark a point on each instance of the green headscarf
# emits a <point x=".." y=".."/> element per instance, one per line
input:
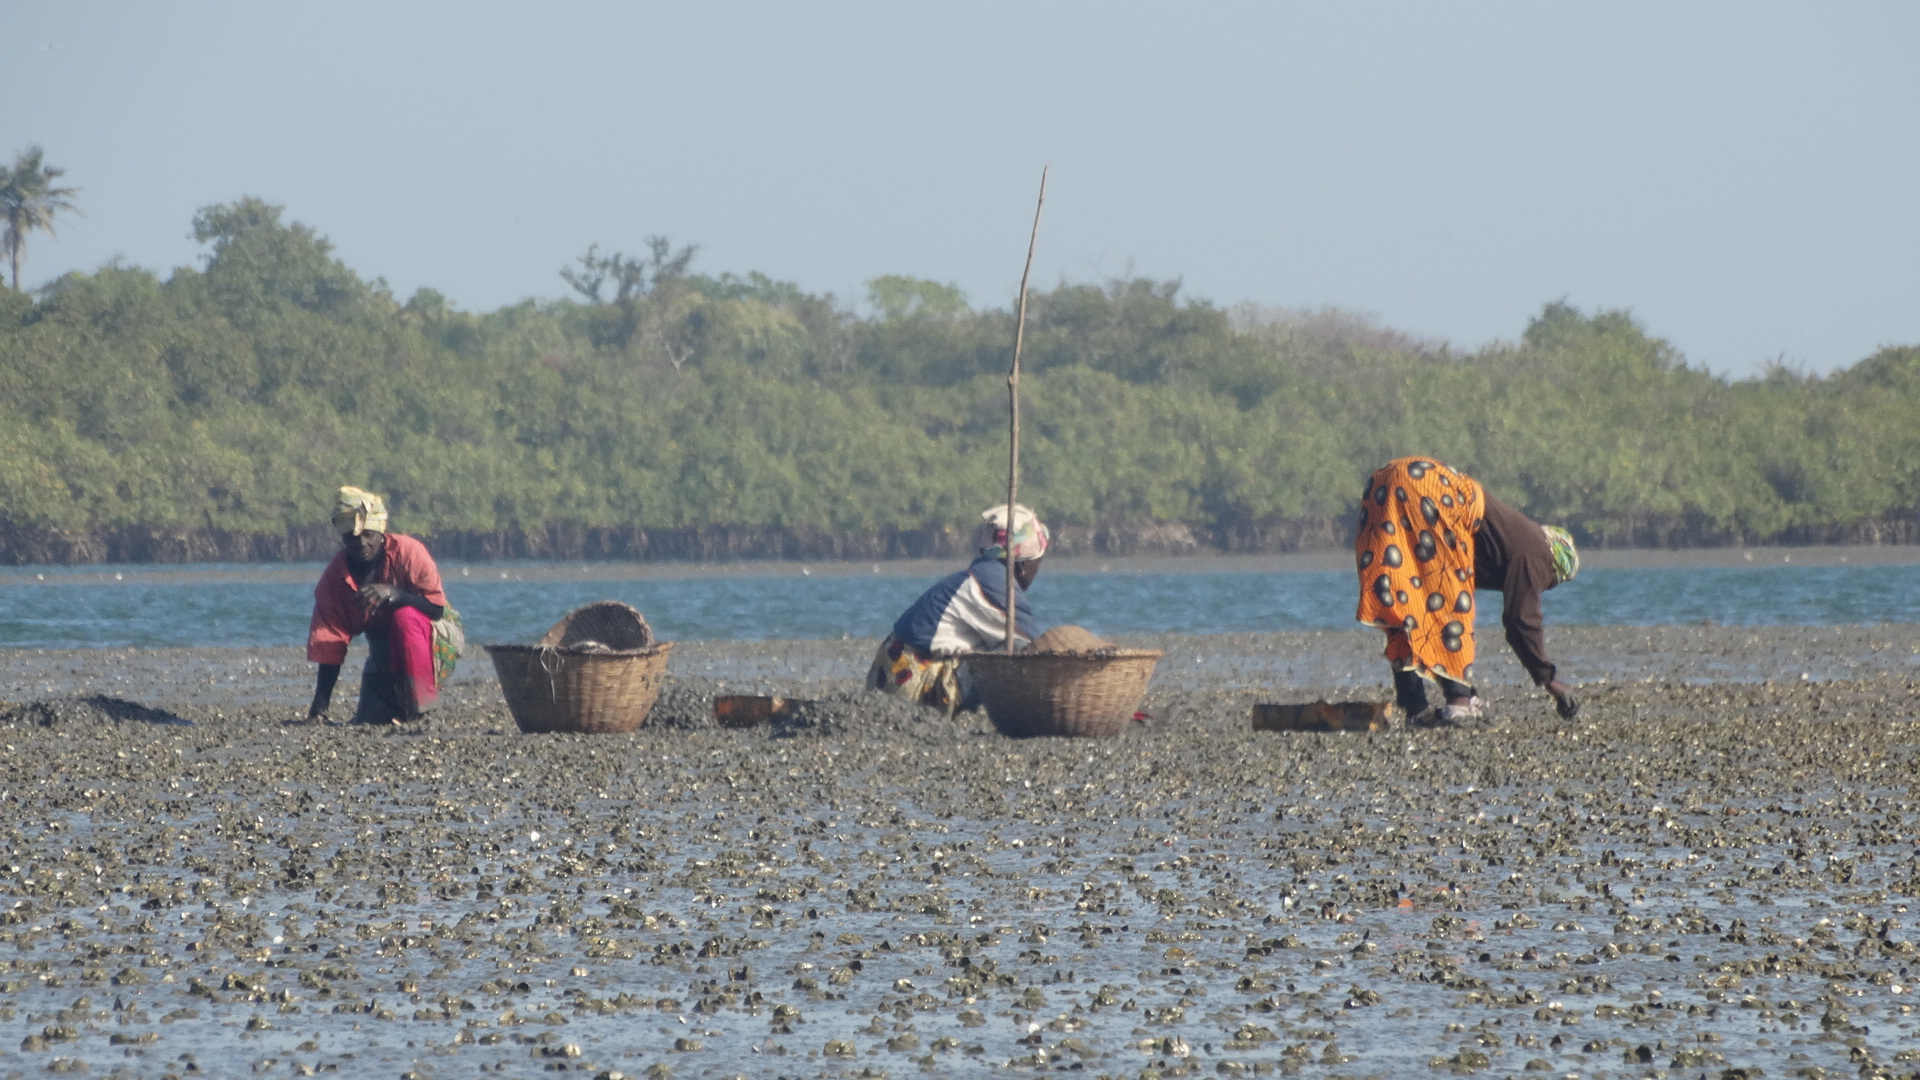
<point x="1566" y="557"/>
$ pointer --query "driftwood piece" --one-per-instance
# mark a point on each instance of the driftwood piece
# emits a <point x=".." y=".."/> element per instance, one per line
<point x="1326" y="716"/>
<point x="752" y="710"/>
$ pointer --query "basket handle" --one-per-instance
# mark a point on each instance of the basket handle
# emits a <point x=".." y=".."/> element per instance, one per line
<point x="553" y="664"/>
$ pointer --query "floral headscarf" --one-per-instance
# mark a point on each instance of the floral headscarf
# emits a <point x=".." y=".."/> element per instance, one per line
<point x="1030" y="535"/>
<point x="1566" y="558"/>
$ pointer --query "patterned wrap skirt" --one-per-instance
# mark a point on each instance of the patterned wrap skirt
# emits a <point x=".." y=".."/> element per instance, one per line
<point x="901" y="669"/>
<point x="1414" y="552"/>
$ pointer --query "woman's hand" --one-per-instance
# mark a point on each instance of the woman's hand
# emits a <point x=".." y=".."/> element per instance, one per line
<point x="375" y="596"/>
<point x="1564" y="702"/>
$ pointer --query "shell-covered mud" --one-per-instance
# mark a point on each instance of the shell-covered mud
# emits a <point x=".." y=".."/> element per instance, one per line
<point x="1700" y="876"/>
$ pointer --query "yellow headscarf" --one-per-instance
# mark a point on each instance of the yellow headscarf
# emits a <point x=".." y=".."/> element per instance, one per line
<point x="356" y="511"/>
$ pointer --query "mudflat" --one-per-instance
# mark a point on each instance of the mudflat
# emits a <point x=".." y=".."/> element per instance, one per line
<point x="1708" y="872"/>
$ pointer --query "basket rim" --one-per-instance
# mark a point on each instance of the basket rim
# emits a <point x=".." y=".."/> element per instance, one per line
<point x="559" y="630"/>
<point x="654" y="649"/>
<point x="1102" y="654"/>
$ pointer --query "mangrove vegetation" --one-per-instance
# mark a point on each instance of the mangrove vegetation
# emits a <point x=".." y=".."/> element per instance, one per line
<point x="662" y="411"/>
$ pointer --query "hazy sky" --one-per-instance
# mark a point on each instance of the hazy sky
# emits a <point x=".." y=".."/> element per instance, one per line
<point x="1742" y="176"/>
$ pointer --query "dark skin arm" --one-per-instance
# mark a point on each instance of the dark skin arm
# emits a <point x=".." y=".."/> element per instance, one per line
<point x="323" y="692"/>
<point x="376" y="595"/>
<point x="1523" y="626"/>
<point x="1510" y="556"/>
<point x="1564" y="702"/>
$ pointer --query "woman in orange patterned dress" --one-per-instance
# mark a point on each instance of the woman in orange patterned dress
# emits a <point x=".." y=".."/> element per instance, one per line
<point x="1428" y="537"/>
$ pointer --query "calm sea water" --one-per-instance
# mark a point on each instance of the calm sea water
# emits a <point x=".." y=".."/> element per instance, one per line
<point x="144" y="608"/>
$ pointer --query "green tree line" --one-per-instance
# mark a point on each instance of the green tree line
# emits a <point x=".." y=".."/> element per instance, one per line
<point x="236" y="396"/>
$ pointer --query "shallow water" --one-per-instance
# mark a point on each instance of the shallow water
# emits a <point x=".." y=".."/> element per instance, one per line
<point x="144" y="607"/>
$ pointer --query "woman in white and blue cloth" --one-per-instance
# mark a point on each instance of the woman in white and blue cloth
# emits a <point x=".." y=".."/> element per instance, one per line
<point x="964" y="612"/>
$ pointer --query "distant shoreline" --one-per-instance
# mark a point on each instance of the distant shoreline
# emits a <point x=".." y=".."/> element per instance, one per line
<point x="1294" y="562"/>
<point x="1287" y="542"/>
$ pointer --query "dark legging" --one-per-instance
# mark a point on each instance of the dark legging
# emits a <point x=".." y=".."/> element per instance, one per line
<point x="1410" y="690"/>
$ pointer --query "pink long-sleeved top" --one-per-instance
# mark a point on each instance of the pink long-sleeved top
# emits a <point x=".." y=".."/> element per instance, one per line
<point x="337" y="612"/>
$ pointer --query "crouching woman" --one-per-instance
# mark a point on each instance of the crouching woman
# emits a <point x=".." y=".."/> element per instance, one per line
<point x="385" y="585"/>
<point x="964" y="612"/>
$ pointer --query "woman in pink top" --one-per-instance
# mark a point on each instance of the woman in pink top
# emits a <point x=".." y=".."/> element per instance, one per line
<point x="386" y="586"/>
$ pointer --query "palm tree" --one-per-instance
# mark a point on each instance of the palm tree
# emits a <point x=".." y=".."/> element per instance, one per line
<point x="29" y="200"/>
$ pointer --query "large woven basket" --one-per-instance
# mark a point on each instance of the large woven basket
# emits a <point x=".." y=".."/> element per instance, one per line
<point x="597" y="672"/>
<point x="1087" y="695"/>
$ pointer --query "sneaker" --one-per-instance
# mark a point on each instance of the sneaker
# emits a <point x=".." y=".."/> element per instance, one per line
<point x="1474" y="709"/>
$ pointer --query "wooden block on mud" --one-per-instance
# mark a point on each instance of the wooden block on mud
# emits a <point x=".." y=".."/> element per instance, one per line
<point x="1326" y="716"/>
<point x="751" y="710"/>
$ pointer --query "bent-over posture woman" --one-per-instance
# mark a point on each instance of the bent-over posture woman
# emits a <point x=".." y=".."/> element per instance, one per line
<point x="1428" y="537"/>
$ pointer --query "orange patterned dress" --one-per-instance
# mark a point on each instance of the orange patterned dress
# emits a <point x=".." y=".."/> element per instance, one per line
<point x="1414" y="552"/>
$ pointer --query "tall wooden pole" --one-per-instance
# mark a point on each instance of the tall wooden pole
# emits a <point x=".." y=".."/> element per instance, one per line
<point x="1013" y="407"/>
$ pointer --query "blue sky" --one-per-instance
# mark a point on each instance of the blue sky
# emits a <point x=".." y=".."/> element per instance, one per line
<point x="1740" y="176"/>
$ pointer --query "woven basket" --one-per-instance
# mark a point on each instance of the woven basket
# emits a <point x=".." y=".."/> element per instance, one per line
<point x="589" y="693"/>
<point x="1086" y="695"/>
<point x="597" y="672"/>
<point x="610" y="623"/>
